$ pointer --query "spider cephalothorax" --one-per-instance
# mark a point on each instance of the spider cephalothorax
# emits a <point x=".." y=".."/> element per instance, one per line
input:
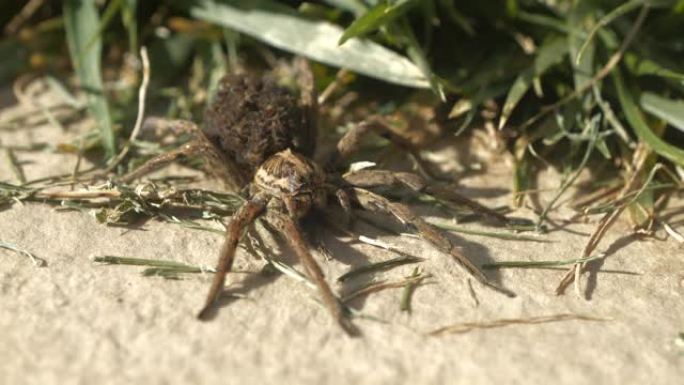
<point x="256" y="135"/>
<point x="292" y="179"/>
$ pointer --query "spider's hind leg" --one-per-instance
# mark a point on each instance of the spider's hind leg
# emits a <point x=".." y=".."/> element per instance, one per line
<point x="294" y="238"/>
<point x="374" y="202"/>
<point x="414" y="182"/>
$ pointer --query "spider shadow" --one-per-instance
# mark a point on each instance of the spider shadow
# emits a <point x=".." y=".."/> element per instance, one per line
<point x="341" y="251"/>
<point x="594" y="267"/>
<point x="239" y="291"/>
<point x="474" y="251"/>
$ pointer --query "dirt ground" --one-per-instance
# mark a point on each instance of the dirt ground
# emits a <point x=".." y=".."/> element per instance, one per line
<point x="77" y="322"/>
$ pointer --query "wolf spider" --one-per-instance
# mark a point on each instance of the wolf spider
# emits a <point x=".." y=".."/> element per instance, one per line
<point x="261" y="140"/>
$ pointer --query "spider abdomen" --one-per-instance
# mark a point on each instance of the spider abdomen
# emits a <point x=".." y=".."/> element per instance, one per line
<point x="253" y="118"/>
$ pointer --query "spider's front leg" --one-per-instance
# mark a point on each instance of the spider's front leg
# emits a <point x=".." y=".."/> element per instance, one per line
<point x="294" y="238"/>
<point x="234" y="177"/>
<point x="374" y="202"/>
<point x="242" y="218"/>
<point x="177" y="127"/>
<point x="378" y="178"/>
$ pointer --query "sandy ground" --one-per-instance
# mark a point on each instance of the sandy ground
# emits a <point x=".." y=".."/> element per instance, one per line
<point x="76" y="322"/>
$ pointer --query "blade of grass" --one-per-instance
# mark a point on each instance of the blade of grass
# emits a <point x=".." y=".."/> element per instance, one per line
<point x="492" y="234"/>
<point x="409" y="289"/>
<point x="645" y="66"/>
<point x="549" y="53"/>
<point x="378" y="266"/>
<point x="116" y="260"/>
<point x="382" y="14"/>
<point x="538" y="264"/>
<point x="15" y="166"/>
<point x="671" y="111"/>
<point x="282" y="27"/>
<point x="382" y="285"/>
<point x="594" y="134"/>
<point x="38" y="262"/>
<point x="107" y="16"/>
<point x="466" y="327"/>
<point x="643" y="131"/>
<point x="81" y="21"/>
<point x="607" y="19"/>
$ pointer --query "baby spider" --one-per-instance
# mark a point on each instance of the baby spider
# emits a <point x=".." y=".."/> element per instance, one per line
<point x="260" y="139"/>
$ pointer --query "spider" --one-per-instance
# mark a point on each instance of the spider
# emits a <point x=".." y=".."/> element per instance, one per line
<point x="260" y="140"/>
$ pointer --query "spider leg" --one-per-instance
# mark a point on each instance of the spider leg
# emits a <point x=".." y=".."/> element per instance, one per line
<point x="176" y="127"/>
<point x="159" y="161"/>
<point x="295" y="239"/>
<point x="351" y="142"/>
<point x="242" y="218"/>
<point x="221" y="166"/>
<point x="374" y="202"/>
<point x="447" y="194"/>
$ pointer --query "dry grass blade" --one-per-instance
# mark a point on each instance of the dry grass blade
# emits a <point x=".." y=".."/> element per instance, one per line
<point x="141" y="110"/>
<point x="673" y="233"/>
<point x="610" y="217"/>
<point x="15" y="166"/>
<point x="466" y="327"/>
<point x="38" y="262"/>
<point x="384" y="285"/>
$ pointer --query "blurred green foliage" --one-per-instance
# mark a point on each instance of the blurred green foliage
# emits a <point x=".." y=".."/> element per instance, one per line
<point x="540" y="62"/>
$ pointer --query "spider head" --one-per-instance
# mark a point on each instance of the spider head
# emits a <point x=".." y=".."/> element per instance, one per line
<point x="292" y="179"/>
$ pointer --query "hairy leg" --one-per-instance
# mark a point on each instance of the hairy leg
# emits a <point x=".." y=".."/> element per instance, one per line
<point x="446" y="194"/>
<point x="217" y="164"/>
<point x="351" y="142"/>
<point x="374" y="202"/>
<point x="295" y="239"/>
<point x="242" y="218"/>
<point x="159" y="161"/>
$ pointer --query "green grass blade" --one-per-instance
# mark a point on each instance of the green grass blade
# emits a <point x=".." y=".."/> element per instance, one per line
<point x="357" y="7"/>
<point x="671" y="111"/>
<point x="128" y="18"/>
<point x="81" y="21"/>
<point x="107" y="16"/>
<point x="376" y="17"/>
<point x="607" y="19"/>
<point x="643" y="131"/>
<point x="505" y="235"/>
<point x="644" y="66"/>
<point x="538" y="264"/>
<point x="114" y="260"/>
<point x="283" y="28"/>
<point x="549" y="54"/>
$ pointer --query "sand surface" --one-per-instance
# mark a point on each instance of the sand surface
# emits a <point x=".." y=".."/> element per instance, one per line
<point x="76" y="322"/>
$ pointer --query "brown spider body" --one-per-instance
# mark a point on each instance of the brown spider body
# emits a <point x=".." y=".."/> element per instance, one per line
<point x="256" y="134"/>
<point x="293" y="179"/>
